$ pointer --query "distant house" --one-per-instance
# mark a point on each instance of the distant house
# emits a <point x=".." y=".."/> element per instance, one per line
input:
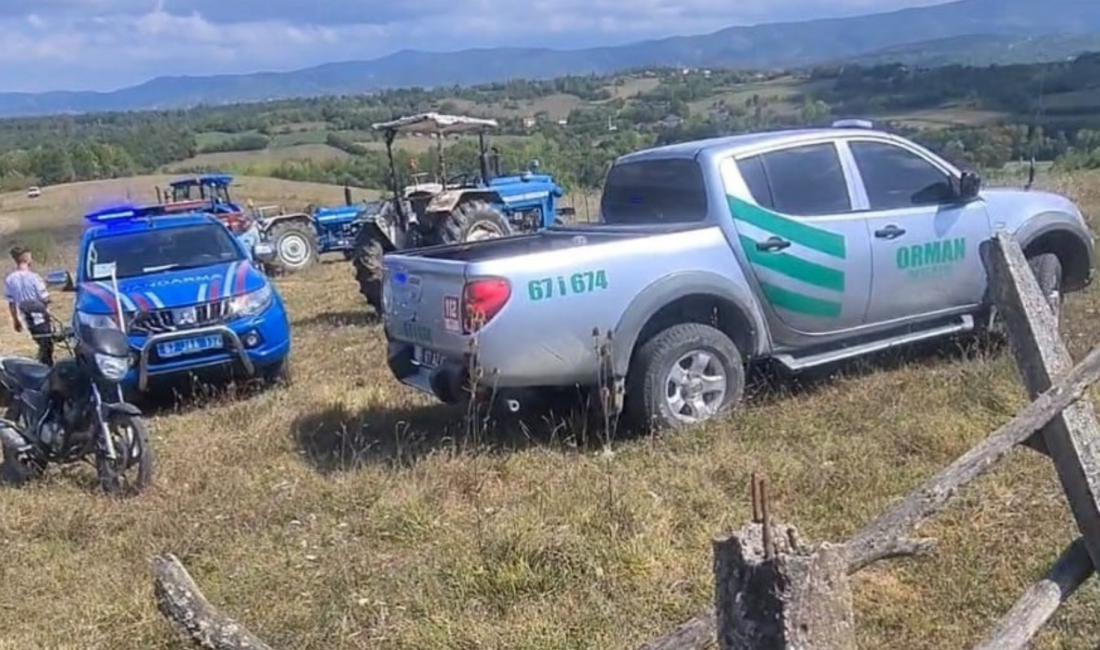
<point x="529" y="122"/>
<point x="670" y="122"/>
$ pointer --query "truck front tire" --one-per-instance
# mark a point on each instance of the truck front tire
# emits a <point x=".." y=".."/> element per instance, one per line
<point x="1047" y="269"/>
<point x="686" y="374"/>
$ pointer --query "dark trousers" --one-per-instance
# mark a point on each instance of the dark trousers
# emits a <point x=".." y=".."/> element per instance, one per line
<point x="41" y="333"/>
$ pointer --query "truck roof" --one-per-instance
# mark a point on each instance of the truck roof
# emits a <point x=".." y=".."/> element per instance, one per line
<point x="732" y="144"/>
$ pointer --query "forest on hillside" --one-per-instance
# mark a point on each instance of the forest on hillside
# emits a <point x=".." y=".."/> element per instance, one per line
<point x="1051" y="111"/>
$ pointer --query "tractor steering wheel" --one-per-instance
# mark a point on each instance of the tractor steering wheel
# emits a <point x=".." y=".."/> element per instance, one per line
<point x="458" y="179"/>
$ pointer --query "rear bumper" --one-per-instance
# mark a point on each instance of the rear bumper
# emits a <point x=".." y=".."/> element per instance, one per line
<point x="447" y="382"/>
<point x="249" y="344"/>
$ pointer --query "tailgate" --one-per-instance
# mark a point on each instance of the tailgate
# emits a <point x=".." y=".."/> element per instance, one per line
<point x="423" y="302"/>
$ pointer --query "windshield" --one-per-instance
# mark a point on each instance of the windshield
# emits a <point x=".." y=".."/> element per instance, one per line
<point x="662" y="191"/>
<point x="149" y="251"/>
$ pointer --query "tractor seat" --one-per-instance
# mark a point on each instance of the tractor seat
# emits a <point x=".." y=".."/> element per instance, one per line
<point x="29" y="373"/>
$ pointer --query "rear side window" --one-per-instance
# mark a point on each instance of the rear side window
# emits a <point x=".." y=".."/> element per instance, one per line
<point x="801" y="181"/>
<point x="659" y="191"/>
<point x="752" y="171"/>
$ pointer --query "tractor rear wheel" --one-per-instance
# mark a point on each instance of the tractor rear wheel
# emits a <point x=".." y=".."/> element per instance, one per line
<point x="473" y="221"/>
<point x="367" y="260"/>
<point x="295" y="245"/>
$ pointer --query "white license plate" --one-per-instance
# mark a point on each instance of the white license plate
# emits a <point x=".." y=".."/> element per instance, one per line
<point x="428" y="358"/>
<point x="189" y="346"/>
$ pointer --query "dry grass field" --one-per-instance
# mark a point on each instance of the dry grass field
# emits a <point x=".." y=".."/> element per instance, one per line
<point x="344" y="511"/>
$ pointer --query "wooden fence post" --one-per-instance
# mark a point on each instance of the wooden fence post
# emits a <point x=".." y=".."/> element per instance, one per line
<point x="784" y="597"/>
<point x="1072" y="438"/>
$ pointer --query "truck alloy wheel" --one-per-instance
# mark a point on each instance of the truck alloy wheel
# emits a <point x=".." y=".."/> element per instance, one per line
<point x="684" y="375"/>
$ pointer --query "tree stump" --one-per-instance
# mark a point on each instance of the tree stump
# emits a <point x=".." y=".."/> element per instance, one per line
<point x="783" y="598"/>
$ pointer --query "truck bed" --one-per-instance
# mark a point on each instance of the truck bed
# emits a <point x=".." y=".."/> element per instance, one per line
<point x="551" y="239"/>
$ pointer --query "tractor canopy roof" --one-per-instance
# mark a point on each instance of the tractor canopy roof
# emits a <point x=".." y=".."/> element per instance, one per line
<point x="206" y="179"/>
<point x="437" y="123"/>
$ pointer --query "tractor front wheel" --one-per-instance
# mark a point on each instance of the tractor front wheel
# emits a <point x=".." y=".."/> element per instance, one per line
<point x="295" y="245"/>
<point x="473" y="221"/>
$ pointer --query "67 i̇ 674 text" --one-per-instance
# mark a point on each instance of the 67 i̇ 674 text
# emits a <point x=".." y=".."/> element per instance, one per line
<point x="560" y="286"/>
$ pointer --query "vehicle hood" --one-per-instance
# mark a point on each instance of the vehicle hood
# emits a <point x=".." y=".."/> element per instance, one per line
<point x="171" y="288"/>
<point x="1017" y="201"/>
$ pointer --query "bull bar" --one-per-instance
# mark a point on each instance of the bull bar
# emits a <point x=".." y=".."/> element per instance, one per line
<point x="153" y="339"/>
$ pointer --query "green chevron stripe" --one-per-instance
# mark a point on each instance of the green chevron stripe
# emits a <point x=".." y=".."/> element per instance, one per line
<point x="827" y="242"/>
<point x="800" y="303"/>
<point x="794" y="267"/>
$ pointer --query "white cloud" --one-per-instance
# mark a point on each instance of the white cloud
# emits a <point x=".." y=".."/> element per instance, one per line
<point x="105" y="44"/>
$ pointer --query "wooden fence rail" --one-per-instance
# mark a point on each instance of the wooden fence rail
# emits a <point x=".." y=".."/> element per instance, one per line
<point x="773" y="592"/>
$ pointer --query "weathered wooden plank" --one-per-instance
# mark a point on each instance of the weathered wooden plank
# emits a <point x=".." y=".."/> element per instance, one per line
<point x="181" y="602"/>
<point x="1073" y="437"/>
<point x="872" y="542"/>
<point x="798" y="599"/>
<point x="1041" y="600"/>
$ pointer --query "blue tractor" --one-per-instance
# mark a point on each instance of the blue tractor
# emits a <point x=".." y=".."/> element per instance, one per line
<point x="454" y="208"/>
<point x="210" y="193"/>
<point x="298" y="238"/>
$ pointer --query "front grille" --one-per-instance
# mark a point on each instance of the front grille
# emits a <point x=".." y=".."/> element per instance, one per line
<point x="160" y="321"/>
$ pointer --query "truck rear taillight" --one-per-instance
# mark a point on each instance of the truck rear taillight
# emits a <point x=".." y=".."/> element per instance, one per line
<point x="482" y="300"/>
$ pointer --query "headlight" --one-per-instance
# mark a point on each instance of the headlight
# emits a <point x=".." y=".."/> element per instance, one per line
<point x="96" y="321"/>
<point x="112" y="368"/>
<point x="251" y="303"/>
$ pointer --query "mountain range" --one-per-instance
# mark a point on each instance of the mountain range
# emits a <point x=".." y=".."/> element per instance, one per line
<point x="978" y="32"/>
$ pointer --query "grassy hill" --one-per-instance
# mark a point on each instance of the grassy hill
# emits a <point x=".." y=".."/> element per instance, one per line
<point x="345" y="511"/>
<point x="920" y="32"/>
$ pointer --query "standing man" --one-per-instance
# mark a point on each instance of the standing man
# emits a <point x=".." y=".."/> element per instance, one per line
<point x="24" y="284"/>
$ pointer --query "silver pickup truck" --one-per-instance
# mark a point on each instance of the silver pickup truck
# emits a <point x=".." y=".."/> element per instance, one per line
<point x="803" y="247"/>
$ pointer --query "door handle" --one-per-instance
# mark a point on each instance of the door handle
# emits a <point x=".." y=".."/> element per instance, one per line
<point x="890" y="232"/>
<point x="772" y="244"/>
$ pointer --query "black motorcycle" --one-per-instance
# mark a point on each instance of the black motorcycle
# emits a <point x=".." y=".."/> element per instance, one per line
<point x="74" y="410"/>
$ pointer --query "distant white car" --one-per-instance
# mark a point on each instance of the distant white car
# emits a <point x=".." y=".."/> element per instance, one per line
<point x="33" y="192"/>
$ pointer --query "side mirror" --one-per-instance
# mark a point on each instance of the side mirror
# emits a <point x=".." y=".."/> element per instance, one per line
<point x="264" y="252"/>
<point x="60" y="278"/>
<point x="970" y="183"/>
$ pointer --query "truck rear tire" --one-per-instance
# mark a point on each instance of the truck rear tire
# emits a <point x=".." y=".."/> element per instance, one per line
<point x="473" y="221"/>
<point x="295" y="245"/>
<point x="686" y="374"/>
<point x="367" y="260"/>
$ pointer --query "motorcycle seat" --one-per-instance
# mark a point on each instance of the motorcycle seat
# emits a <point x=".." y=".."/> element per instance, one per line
<point x="29" y="373"/>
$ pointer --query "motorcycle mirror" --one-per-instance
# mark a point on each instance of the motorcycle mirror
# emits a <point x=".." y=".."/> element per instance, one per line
<point x="60" y="278"/>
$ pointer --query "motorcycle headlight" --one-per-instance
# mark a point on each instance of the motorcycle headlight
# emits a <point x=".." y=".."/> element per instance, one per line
<point x="252" y="302"/>
<point x="112" y="368"/>
<point x="96" y="321"/>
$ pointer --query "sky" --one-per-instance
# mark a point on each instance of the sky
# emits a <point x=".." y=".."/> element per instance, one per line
<point x="109" y="44"/>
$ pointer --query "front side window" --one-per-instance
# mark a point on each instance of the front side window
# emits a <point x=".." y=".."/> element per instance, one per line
<point x="896" y="178"/>
<point x="659" y="191"/>
<point x="806" y="180"/>
<point x="167" y="249"/>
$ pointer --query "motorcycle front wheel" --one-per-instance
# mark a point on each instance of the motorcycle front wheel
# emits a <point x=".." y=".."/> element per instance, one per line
<point x="131" y="470"/>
